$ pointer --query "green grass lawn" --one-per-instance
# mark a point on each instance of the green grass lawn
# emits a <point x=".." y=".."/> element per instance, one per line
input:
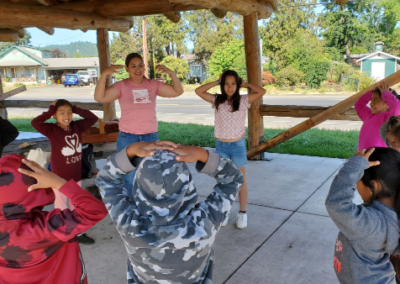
<point x="314" y="142"/>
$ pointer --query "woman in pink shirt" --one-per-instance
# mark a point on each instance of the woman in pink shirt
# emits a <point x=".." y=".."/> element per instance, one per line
<point x="383" y="105"/>
<point x="230" y="126"/>
<point x="137" y="98"/>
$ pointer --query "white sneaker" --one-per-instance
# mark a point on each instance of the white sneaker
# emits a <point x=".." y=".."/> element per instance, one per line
<point x="226" y="220"/>
<point x="241" y="220"/>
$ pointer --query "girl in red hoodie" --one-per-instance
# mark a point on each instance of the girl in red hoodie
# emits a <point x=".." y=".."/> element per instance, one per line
<point x="38" y="246"/>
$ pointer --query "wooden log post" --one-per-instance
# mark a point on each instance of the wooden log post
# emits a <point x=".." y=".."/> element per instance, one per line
<point x="3" y="111"/>
<point x="319" y="118"/>
<point x="253" y="67"/>
<point x="103" y="46"/>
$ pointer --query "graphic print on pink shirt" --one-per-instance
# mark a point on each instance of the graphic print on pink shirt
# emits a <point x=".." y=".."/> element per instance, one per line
<point x="141" y="97"/>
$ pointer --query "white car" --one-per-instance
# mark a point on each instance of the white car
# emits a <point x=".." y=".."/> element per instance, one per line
<point x="85" y="76"/>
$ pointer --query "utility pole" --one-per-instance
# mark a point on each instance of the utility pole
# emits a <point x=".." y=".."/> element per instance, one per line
<point x="146" y="64"/>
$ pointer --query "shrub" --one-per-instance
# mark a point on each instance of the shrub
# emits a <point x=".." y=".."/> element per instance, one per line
<point x="366" y="81"/>
<point x="18" y="84"/>
<point x="178" y="66"/>
<point x="8" y="79"/>
<point x="270" y="89"/>
<point x="289" y="76"/>
<point x="209" y="80"/>
<point x="315" y="71"/>
<point x="229" y="55"/>
<point x="298" y="90"/>
<point x="267" y="78"/>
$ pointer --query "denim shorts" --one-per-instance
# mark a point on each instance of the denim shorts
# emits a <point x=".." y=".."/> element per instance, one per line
<point x="236" y="151"/>
<point x="126" y="139"/>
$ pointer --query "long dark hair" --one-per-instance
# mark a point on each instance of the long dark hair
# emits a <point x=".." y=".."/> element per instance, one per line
<point x="235" y="101"/>
<point x="130" y="56"/>
<point x="378" y="91"/>
<point x="387" y="173"/>
<point x="63" y="102"/>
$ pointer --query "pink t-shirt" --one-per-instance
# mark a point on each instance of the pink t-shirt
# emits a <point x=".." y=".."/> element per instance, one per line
<point x="138" y="106"/>
<point x="231" y="125"/>
<point x="369" y="134"/>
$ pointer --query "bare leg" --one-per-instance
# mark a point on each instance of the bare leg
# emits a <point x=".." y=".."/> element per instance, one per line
<point x="243" y="191"/>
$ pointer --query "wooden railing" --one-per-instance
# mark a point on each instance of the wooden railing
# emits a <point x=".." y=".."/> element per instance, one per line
<point x="45" y="104"/>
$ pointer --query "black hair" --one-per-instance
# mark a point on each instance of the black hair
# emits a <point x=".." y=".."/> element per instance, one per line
<point x="63" y="102"/>
<point x="377" y="90"/>
<point x="235" y="101"/>
<point x="130" y="56"/>
<point x="394" y="127"/>
<point x="386" y="173"/>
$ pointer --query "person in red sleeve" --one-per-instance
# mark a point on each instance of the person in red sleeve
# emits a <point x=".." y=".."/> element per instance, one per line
<point x="37" y="246"/>
<point x="65" y="137"/>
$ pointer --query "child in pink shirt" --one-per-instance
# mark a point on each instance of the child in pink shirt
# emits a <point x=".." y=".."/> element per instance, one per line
<point x="383" y="105"/>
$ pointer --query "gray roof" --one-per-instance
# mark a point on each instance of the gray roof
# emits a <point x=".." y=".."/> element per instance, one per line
<point x="31" y="54"/>
<point x="73" y="63"/>
<point x="16" y="63"/>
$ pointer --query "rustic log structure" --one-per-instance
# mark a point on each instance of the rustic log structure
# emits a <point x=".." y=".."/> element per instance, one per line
<point x="319" y="118"/>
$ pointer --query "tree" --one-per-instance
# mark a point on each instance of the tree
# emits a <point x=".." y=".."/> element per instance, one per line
<point x="178" y="66"/>
<point x="208" y="32"/>
<point x="57" y="53"/>
<point x="26" y="40"/>
<point x="122" y="74"/>
<point x="229" y="55"/>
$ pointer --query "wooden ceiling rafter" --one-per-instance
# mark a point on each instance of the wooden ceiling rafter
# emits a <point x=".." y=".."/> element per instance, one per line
<point x="174" y="17"/>
<point x="8" y="35"/>
<point x="47" y="30"/>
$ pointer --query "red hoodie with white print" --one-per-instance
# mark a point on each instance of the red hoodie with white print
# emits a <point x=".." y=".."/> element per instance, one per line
<point x="38" y="246"/>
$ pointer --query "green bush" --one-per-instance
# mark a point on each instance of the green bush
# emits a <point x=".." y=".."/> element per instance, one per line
<point x="228" y="56"/>
<point x="270" y="89"/>
<point x="366" y="81"/>
<point x="178" y="66"/>
<point x="289" y="76"/>
<point x="122" y="74"/>
<point x="339" y="68"/>
<point x="298" y="90"/>
<point x="209" y="80"/>
<point x="18" y="84"/>
<point x="315" y="71"/>
<point x="8" y="79"/>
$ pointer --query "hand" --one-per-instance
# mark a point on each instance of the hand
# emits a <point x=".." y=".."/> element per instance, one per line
<point x="244" y="84"/>
<point x="383" y="86"/>
<point x="45" y="179"/>
<point x="144" y="149"/>
<point x="366" y="154"/>
<point x="111" y="70"/>
<point x="190" y="154"/>
<point x="54" y="103"/>
<point x="164" y="69"/>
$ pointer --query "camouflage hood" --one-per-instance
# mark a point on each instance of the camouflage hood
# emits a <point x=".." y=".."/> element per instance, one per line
<point x="163" y="189"/>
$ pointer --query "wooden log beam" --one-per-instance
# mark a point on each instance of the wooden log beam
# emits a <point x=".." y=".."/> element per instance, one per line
<point x="11" y="93"/>
<point x="305" y="111"/>
<point x="7" y="35"/>
<point x="174" y="17"/>
<point x="273" y="3"/>
<point x="45" y="104"/>
<point x="129" y="8"/>
<point x="49" y="2"/>
<point x="319" y="118"/>
<point x="243" y="7"/>
<point x="47" y="30"/>
<point x="219" y="13"/>
<point x="40" y="16"/>
<point x="253" y="68"/>
<point x="103" y="46"/>
<point x="20" y="31"/>
<point x="341" y="2"/>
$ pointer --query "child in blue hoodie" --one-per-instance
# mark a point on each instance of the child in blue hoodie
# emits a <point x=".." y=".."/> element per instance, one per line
<point x="369" y="233"/>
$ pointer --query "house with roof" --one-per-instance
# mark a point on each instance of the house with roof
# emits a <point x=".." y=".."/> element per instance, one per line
<point x="379" y="64"/>
<point x="32" y="65"/>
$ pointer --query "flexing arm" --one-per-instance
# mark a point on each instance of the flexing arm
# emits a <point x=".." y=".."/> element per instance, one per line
<point x="256" y="92"/>
<point x="39" y="122"/>
<point x="203" y="93"/>
<point x="103" y="95"/>
<point x="89" y="118"/>
<point x="170" y="91"/>
<point x="363" y="111"/>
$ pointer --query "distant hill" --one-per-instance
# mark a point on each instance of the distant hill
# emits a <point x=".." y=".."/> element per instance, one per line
<point x="86" y="49"/>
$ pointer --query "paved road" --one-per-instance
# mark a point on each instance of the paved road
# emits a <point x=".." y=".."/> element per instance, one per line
<point x="187" y="108"/>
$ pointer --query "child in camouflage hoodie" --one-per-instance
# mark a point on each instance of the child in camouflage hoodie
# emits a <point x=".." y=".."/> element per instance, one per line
<point x="168" y="236"/>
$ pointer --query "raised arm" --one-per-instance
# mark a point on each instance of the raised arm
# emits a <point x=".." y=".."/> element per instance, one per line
<point x="66" y="224"/>
<point x="256" y="92"/>
<point x="39" y="122"/>
<point x="363" y="111"/>
<point x="354" y="221"/>
<point x="203" y="93"/>
<point x="170" y="91"/>
<point x="89" y="118"/>
<point x="103" y="95"/>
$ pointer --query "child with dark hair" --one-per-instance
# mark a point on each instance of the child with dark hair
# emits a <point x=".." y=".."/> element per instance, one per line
<point x="38" y="246"/>
<point x="137" y="97"/>
<point x="169" y="237"/>
<point x="65" y="137"/>
<point x="383" y="105"/>
<point x="230" y="126"/>
<point x="8" y="133"/>
<point x="370" y="232"/>
<point x="390" y="132"/>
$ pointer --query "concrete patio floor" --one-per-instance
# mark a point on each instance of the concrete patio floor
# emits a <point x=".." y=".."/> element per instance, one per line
<point x="289" y="239"/>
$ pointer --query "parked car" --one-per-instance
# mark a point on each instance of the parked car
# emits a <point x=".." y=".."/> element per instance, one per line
<point x="85" y="76"/>
<point x="63" y="78"/>
<point x="72" y="80"/>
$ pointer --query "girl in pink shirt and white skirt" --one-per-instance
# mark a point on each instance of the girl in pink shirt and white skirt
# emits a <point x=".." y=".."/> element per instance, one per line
<point x="230" y="126"/>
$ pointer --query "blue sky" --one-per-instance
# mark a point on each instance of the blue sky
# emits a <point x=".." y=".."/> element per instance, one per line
<point x="65" y="36"/>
